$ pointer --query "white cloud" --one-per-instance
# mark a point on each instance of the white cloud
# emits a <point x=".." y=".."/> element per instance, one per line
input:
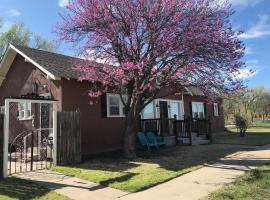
<point x="259" y="30"/>
<point x="245" y="74"/>
<point x="245" y="2"/>
<point x="9" y="12"/>
<point x="63" y="3"/>
<point x="252" y="69"/>
<point x="249" y="51"/>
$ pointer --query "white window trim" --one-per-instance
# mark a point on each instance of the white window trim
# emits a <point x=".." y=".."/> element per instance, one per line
<point x="121" y="106"/>
<point x="25" y="118"/>
<point x="216" y="110"/>
<point x="200" y="103"/>
<point x="169" y="101"/>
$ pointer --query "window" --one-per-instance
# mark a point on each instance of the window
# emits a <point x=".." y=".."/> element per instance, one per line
<point x="2" y="111"/>
<point x="152" y="110"/>
<point x="24" y="111"/>
<point x="148" y="111"/>
<point x="176" y="108"/>
<point x="115" y="107"/>
<point x="198" y="110"/>
<point x="216" y="112"/>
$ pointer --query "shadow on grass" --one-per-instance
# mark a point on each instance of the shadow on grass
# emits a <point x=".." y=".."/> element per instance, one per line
<point x="21" y="189"/>
<point x="150" y="168"/>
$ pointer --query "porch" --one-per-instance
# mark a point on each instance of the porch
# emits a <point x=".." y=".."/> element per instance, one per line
<point x="188" y="131"/>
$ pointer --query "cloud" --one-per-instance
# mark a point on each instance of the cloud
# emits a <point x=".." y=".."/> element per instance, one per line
<point x="245" y="3"/>
<point x="63" y="3"/>
<point x="259" y="30"/>
<point x="251" y="70"/>
<point x="249" y="51"/>
<point x="9" y="12"/>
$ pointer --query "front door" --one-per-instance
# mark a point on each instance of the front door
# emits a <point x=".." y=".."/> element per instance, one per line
<point x="164" y="114"/>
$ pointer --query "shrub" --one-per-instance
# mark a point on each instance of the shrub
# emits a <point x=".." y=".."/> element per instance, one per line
<point x="241" y="124"/>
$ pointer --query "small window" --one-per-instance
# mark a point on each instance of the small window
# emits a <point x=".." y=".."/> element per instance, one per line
<point x="24" y="111"/>
<point x="2" y="111"/>
<point x="115" y="107"/>
<point x="216" y="112"/>
<point x="198" y="110"/>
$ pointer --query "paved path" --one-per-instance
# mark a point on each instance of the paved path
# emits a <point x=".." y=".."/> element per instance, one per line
<point x="191" y="186"/>
<point x="72" y="187"/>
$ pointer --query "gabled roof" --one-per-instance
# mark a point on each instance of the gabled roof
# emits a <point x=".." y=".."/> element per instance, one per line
<point x="54" y="65"/>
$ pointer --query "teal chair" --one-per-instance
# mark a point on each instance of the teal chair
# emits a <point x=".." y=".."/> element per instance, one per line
<point x="152" y="138"/>
<point x="143" y="141"/>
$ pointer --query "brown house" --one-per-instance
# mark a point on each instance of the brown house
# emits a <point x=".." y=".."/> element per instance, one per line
<point x="25" y="70"/>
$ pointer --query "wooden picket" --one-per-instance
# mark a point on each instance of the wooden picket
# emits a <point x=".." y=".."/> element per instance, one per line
<point x="69" y="138"/>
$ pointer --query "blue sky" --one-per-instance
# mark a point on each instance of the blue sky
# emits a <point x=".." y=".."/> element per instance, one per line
<point x="252" y="16"/>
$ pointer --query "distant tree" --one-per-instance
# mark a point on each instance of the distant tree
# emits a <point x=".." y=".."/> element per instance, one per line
<point x="16" y="34"/>
<point x="19" y="34"/>
<point x="41" y="43"/>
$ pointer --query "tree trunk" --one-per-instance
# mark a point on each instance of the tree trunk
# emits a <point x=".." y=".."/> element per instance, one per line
<point x="132" y="127"/>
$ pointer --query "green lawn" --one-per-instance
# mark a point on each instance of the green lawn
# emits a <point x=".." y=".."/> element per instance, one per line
<point x="254" y="185"/>
<point x="14" y="188"/>
<point x="149" y="170"/>
<point x="255" y="136"/>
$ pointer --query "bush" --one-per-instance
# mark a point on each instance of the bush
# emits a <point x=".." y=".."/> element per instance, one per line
<point x="241" y="124"/>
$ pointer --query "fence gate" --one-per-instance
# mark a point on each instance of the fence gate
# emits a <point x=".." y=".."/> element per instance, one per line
<point x="29" y="134"/>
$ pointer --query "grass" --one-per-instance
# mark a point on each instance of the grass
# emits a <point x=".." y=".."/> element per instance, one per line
<point x="150" y="169"/>
<point x="254" y="185"/>
<point x="14" y="188"/>
<point x="255" y="136"/>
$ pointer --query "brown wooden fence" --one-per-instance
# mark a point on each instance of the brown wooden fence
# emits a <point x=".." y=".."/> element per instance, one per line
<point x="68" y="138"/>
<point x="1" y="145"/>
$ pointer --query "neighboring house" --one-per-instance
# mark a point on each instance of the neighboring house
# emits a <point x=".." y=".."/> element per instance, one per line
<point x="25" y="70"/>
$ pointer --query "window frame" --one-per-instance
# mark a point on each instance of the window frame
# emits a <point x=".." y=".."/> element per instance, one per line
<point x="216" y="109"/>
<point x="121" y="106"/>
<point x="156" y="111"/>
<point x="198" y="103"/>
<point x="23" y="118"/>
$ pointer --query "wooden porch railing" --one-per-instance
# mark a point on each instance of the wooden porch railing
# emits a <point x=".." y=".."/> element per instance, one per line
<point x="182" y="129"/>
<point x="202" y="127"/>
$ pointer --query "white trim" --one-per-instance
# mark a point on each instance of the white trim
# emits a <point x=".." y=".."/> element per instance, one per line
<point x="35" y="63"/>
<point x="215" y="109"/>
<point x="169" y="101"/>
<point x="6" y="129"/>
<point x="55" y="134"/>
<point x="6" y="136"/>
<point x="121" y="106"/>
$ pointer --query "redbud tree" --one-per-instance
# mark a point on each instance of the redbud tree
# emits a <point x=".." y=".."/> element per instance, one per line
<point x="149" y="45"/>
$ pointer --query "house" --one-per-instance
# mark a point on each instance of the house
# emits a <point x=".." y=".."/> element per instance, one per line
<point x="26" y="70"/>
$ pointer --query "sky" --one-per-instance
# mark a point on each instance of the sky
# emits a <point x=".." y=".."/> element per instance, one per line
<point x="252" y="17"/>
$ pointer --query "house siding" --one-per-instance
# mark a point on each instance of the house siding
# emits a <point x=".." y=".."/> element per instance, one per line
<point x="99" y="133"/>
<point x="20" y="80"/>
<point x="217" y="122"/>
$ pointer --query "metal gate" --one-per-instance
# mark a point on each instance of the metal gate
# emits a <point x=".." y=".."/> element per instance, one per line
<point x="31" y="150"/>
<point x="29" y="135"/>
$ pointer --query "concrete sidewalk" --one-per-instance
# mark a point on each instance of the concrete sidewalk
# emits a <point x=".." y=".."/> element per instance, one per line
<point x="200" y="183"/>
<point x="71" y="187"/>
<point x="191" y="186"/>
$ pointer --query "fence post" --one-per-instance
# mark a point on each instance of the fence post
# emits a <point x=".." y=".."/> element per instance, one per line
<point x="210" y="130"/>
<point x="175" y="129"/>
<point x="1" y="146"/>
<point x="189" y="120"/>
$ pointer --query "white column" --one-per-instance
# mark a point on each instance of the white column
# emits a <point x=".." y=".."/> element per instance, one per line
<point x="54" y="133"/>
<point x="6" y="136"/>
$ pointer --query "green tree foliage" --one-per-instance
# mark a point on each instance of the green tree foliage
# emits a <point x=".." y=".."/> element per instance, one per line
<point x="248" y="103"/>
<point x="19" y="34"/>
